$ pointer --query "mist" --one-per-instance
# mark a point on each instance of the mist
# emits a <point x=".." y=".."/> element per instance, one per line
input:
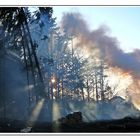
<point x="13" y="92"/>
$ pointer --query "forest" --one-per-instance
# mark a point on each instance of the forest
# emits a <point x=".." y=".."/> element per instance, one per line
<point x="52" y="73"/>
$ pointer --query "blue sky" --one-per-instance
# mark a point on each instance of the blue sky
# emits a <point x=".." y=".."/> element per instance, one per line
<point x="124" y="22"/>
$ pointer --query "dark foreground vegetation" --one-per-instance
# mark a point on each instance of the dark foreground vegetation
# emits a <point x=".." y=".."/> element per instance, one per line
<point x="125" y="125"/>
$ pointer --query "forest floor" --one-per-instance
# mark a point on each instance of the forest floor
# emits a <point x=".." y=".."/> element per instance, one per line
<point x="126" y="125"/>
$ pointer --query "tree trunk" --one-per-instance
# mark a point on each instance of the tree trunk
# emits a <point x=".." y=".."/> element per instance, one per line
<point x="27" y="73"/>
<point x="29" y="55"/>
<point x="96" y="87"/>
<point x="87" y="84"/>
<point x="33" y="50"/>
<point x="83" y="94"/>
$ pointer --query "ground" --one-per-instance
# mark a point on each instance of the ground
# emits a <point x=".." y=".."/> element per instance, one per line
<point x="125" y="125"/>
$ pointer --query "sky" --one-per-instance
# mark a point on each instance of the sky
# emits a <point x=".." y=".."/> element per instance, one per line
<point x="123" y="22"/>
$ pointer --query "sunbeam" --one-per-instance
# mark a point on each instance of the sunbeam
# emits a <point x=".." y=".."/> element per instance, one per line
<point x="56" y="115"/>
<point x="35" y="113"/>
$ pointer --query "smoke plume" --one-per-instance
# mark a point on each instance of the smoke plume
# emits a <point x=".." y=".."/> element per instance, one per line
<point x="75" y="25"/>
